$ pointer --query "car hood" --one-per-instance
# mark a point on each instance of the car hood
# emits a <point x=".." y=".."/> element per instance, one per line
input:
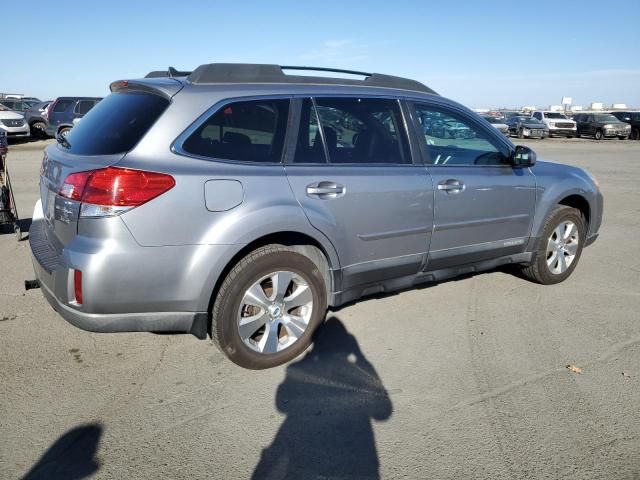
<point x="500" y="125"/>
<point x="533" y="125"/>
<point x="7" y="115"/>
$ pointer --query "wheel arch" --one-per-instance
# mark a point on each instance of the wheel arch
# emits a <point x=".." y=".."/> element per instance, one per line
<point x="580" y="203"/>
<point x="320" y="253"/>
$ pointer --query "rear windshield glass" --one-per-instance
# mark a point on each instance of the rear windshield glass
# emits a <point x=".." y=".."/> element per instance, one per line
<point x="116" y="124"/>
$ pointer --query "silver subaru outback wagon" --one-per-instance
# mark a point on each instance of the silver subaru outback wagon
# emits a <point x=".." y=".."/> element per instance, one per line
<point x="242" y="201"/>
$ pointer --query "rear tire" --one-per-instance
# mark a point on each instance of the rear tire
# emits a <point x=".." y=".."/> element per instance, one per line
<point x="554" y="251"/>
<point x="277" y="332"/>
<point x="64" y="131"/>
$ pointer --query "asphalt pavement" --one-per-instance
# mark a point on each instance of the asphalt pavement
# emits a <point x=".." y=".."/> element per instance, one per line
<point x="461" y="380"/>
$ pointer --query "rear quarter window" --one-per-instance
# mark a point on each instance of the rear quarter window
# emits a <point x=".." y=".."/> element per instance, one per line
<point x="247" y="131"/>
<point x="62" y="105"/>
<point x="116" y="124"/>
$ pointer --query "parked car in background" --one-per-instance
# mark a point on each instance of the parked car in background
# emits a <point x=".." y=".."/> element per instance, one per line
<point x="13" y="123"/>
<point x="507" y="114"/>
<point x="633" y="119"/>
<point x="64" y="110"/>
<point x="36" y="118"/>
<point x="527" y="127"/>
<point x="191" y="204"/>
<point x="17" y="104"/>
<point x="557" y="123"/>
<point x="498" y="124"/>
<point x="602" y="125"/>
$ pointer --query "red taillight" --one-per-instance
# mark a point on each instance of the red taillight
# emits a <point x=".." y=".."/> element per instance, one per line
<point x="125" y="188"/>
<point x="115" y="187"/>
<point x="77" y="285"/>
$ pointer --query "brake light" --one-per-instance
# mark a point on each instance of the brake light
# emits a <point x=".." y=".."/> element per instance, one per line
<point x="113" y="190"/>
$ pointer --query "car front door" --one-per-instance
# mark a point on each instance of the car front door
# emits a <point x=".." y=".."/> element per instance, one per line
<point x="353" y="174"/>
<point x="483" y="206"/>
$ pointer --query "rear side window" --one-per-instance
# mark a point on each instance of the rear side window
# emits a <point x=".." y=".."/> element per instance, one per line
<point x="353" y="130"/>
<point x="84" y="106"/>
<point x="62" y="105"/>
<point x="116" y="124"/>
<point x="251" y="131"/>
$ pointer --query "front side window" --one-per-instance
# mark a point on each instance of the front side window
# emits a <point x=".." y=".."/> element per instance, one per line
<point x="452" y="139"/>
<point x="249" y="131"/>
<point x="352" y="130"/>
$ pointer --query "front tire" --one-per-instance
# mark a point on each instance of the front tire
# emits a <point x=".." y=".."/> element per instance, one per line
<point x="38" y="130"/>
<point x="520" y="133"/>
<point x="598" y="135"/>
<point x="635" y="134"/>
<point x="268" y="307"/>
<point x="560" y="246"/>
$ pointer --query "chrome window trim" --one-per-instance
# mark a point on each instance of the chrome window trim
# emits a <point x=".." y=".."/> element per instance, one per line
<point x="177" y="146"/>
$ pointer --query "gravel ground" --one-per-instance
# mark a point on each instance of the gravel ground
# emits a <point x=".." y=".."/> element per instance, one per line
<point x="465" y="379"/>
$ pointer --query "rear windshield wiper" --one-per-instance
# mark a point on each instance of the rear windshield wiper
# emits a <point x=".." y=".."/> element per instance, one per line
<point x="62" y="140"/>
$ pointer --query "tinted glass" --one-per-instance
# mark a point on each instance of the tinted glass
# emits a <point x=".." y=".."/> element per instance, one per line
<point x="452" y="139"/>
<point x="555" y="115"/>
<point x="84" y="106"/>
<point x="116" y="124"/>
<point x="309" y="147"/>
<point x="605" y="118"/>
<point x="363" y="130"/>
<point x="62" y="105"/>
<point x="251" y="131"/>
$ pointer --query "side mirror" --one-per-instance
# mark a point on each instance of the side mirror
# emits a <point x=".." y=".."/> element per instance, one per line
<point x="523" y="157"/>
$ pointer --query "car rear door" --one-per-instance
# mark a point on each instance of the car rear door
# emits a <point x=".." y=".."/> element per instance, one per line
<point x="483" y="206"/>
<point x="353" y="174"/>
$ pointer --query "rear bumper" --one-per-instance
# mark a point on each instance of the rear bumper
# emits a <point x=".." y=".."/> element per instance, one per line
<point x="191" y="322"/>
<point x="126" y="287"/>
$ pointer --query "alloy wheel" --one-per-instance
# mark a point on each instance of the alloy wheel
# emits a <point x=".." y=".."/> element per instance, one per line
<point x="275" y="312"/>
<point x="562" y="247"/>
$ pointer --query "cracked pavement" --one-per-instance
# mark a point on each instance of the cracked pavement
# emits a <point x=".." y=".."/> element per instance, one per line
<point x="465" y="379"/>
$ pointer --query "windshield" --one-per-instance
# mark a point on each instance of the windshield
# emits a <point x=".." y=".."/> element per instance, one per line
<point x="116" y="124"/>
<point x="606" y="118"/>
<point x="528" y="120"/>
<point x="492" y="120"/>
<point x="555" y="115"/>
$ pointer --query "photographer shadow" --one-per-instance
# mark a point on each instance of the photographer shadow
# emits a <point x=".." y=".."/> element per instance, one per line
<point x="330" y="398"/>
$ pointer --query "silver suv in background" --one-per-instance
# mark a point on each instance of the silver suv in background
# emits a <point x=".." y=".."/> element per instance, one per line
<point x="241" y="201"/>
<point x="557" y="123"/>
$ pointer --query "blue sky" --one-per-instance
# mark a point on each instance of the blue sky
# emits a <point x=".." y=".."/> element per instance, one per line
<point x="481" y="53"/>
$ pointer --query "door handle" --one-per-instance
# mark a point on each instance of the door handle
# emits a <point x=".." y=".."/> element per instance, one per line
<point x="452" y="186"/>
<point x="325" y="190"/>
